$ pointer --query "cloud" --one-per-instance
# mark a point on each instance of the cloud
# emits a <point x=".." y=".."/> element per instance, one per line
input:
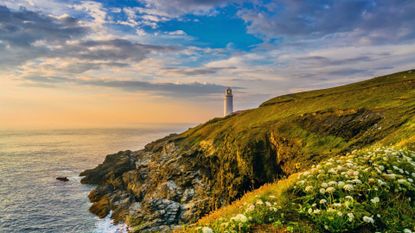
<point x="23" y="28"/>
<point x="360" y="21"/>
<point x="180" y="90"/>
<point x="26" y="36"/>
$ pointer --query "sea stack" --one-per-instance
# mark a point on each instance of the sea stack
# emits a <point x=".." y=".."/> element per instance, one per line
<point x="228" y="102"/>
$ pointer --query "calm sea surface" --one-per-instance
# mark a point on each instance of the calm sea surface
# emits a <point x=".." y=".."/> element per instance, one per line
<point x="32" y="200"/>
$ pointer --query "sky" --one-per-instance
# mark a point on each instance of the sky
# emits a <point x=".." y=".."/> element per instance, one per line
<point x="76" y="63"/>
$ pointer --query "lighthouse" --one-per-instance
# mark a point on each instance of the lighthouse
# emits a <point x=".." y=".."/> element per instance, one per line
<point x="228" y="102"/>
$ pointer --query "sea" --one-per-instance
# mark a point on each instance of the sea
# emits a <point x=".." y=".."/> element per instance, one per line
<point x="32" y="200"/>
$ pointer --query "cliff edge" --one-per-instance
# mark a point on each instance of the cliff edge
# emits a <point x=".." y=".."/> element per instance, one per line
<point x="182" y="177"/>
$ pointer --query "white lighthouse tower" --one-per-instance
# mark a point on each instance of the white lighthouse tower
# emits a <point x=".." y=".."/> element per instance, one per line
<point x="228" y="102"/>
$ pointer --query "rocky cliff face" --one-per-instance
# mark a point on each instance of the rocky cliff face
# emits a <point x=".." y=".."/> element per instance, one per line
<point x="164" y="185"/>
<point x="180" y="178"/>
<point x="167" y="184"/>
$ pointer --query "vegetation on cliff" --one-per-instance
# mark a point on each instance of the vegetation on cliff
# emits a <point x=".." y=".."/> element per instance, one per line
<point x="182" y="177"/>
<point x="365" y="191"/>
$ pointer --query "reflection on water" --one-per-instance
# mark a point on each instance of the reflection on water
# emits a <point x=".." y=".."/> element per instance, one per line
<point x="32" y="200"/>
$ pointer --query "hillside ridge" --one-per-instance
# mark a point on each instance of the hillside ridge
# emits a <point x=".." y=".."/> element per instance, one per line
<point x="182" y="177"/>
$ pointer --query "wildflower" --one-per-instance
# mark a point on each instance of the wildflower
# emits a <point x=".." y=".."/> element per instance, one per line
<point x="357" y="181"/>
<point x="324" y="185"/>
<point x="240" y="218"/>
<point x="332" y="183"/>
<point x="350" y="217"/>
<point x="267" y="203"/>
<point x="340" y="184"/>
<point x="250" y="208"/>
<point x="259" y="202"/>
<point x="323" y="201"/>
<point x="308" y="188"/>
<point x="207" y="230"/>
<point x="406" y="230"/>
<point x="349" y="198"/>
<point x="337" y="204"/>
<point x="339" y="213"/>
<point x="310" y="210"/>
<point x="375" y="200"/>
<point x="381" y="182"/>
<point x="403" y="181"/>
<point x="330" y="190"/>
<point x="390" y="176"/>
<point x="322" y="191"/>
<point x="316" y="211"/>
<point x="410" y="180"/>
<point x="348" y="187"/>
<point x="368" y="219"/>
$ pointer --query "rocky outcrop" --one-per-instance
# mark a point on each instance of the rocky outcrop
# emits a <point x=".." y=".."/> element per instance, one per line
<point x="165" y="185"/>
<point x="178" y="179"/>
<point x="170" y="183"/>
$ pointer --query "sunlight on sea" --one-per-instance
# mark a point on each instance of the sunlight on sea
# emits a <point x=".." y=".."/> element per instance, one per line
<point x="32" y="200"/>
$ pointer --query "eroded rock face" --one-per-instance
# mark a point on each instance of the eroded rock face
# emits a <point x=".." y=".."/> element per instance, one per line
<point x="153" y="189"/>
<point x="170" y="183"/>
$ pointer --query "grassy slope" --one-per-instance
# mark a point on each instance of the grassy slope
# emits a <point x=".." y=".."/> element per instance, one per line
<point x="394" y="93"/>
<point x="392" y="97"/>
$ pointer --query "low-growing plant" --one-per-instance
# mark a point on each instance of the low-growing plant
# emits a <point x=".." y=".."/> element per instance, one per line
<point x="367" y="190"/>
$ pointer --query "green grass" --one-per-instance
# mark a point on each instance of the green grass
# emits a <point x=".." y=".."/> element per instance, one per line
<point x="366" y="191"/>
<point x="290" y="133"/>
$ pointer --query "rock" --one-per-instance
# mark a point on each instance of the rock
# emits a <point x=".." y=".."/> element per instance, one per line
<point x="101" y="208"/>
<point x="62" y="178"/>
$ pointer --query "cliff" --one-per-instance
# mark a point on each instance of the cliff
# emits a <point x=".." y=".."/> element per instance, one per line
<point x="180" y="178"/>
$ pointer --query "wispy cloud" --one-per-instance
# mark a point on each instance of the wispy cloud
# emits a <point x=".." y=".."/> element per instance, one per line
<point x="180" y="90"/>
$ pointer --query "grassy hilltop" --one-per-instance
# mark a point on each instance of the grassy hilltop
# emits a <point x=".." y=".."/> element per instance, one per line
<point x="292" y="132"/>
<point x="347" y="184"/>
<point x="181" y="178"/>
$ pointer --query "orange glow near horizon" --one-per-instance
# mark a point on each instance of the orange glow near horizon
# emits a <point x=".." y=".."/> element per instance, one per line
<point x="33" y="107"/>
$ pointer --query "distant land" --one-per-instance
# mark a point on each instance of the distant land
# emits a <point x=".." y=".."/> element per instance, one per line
<point x="341" y="158"/>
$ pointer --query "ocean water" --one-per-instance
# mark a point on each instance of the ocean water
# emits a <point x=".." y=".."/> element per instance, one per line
<point x="32" y="200"/>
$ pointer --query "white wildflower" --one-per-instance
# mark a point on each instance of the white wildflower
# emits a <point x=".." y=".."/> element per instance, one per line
<point x="323" y="201"/>
<point x="267" y="203"/>
<point x="375" y="200"/>
<point x="250" y="208"/>
<point x="332" y="183"/>
<point x="348" y="187"/>
<point x="316" y="211"/>
<point x="350" y="217"/>
<point x="259" y="202"/>
<point x="340" y="184"/>
<point x="308" y="188"/>
<point x="330" y="190"/>
<point x="368" y="219"/>
<point x="324" y="185"/>
<point x="240" y="218"/>
<point x="349" y="198"/>
<point x="207" y="230"/>
<point x="403" y="181"/>
<point x="406" y="230"/>
<point x="322" y="190"/>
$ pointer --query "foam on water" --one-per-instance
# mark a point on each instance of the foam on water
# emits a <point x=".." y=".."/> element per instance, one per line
<point x="107" y="225"/>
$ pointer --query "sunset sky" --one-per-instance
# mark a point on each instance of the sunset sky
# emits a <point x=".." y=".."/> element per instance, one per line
<point x="74" y="63"/>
